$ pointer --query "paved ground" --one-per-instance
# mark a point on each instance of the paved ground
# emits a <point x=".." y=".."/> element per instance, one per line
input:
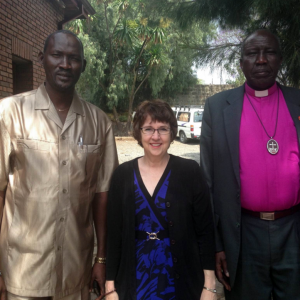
<point x="129" y="149"/>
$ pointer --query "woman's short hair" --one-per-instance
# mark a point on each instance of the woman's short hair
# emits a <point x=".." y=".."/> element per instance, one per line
<point x="158" y="110"/>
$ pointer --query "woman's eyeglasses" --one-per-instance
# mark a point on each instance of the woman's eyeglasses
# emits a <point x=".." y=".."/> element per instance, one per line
<point x="160" y="131"/>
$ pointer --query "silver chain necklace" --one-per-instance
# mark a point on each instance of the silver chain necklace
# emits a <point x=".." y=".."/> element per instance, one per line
<point x="272" y="145"/>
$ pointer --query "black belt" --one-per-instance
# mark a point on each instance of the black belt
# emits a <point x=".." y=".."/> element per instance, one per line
<point x="143" y="235"/>
<point x="271" y="216"/>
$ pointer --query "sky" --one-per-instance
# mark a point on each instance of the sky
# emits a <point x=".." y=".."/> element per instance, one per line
<point x="212" y="77"/>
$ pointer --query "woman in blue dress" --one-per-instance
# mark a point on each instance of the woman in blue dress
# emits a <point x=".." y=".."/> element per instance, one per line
<point x="160" y="228"/>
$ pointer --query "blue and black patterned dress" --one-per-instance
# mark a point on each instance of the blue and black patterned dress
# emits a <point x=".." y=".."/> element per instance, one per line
<point x="154" y="265"/>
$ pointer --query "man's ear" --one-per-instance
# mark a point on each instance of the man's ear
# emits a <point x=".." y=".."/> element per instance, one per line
<point x="41" y="57"/>
<point x="84" y="65"/>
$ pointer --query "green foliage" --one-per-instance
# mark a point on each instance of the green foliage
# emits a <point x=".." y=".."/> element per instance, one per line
<point x="236" y="73"/>
<point x="123" y="118"/>
<point x="244" y="17"/>
<point x="133" y="48"/>
<point x="96" y="64"/>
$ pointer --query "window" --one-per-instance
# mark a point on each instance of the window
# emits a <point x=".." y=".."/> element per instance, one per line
<point x="198" y="116"/>
<point x="183" y="116"/>
<point x="22" y="75"/>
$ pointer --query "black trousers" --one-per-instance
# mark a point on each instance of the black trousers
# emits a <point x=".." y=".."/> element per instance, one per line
<point x="269" y="263"/>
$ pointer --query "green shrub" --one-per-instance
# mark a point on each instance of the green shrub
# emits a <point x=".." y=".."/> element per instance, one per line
<point x="123" y="118"/>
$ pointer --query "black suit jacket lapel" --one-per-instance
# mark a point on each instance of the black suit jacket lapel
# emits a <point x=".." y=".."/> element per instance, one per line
<point x="232" y="120"/>
<point x="293" y="103"/>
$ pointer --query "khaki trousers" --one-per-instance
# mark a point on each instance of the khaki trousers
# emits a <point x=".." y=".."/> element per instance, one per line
<point x="80" y="295"/>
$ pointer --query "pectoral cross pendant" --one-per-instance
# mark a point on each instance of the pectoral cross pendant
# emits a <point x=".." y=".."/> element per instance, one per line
<point x="272" y="146"/>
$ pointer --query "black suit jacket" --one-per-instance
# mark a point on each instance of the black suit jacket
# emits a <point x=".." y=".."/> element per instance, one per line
<point x="219" y="161"/>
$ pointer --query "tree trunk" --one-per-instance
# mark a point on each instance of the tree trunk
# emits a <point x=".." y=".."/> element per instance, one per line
<point x="129" y="118"/>
<point x="116" y="116"/>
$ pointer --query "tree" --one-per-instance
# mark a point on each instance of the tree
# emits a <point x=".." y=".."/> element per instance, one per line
<point x="132" y="48"/>
<point x="236" y="73"/>
<point x="281" y="17"/>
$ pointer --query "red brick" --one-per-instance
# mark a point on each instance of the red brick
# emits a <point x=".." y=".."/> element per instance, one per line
<point x="29" y="21"/>
<point x="4" y="73"/>
<point x="3" y="53"/>
<point x="6" y="84"/>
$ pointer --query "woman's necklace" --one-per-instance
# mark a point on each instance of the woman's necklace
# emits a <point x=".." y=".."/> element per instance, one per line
<point x="272" y="145"/>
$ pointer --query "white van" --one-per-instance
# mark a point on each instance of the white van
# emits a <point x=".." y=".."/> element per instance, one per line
<point x="189" y="121"/>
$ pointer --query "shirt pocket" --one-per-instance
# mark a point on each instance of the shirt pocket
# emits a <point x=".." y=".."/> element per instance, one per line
<point x="85" y="163"/>
<point x="32" y="163"/>
<point x="93" y="160"/>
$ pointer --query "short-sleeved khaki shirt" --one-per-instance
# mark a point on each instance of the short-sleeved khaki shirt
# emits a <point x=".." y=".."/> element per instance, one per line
<point x="51" y="173"/>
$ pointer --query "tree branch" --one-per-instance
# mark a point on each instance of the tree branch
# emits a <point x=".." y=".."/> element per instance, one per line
<point x="110" y="37"/>
<point x="140" y="54"/>
<point x="149" y="72"/>
<point x="103" y="86"/>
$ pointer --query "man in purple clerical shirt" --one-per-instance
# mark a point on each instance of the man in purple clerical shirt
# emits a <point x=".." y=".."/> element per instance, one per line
<point x="250" y="158"/>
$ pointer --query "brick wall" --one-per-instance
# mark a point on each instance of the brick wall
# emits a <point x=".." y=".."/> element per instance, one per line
<point x="24" y="25"/>
<point x="198" y="94"/>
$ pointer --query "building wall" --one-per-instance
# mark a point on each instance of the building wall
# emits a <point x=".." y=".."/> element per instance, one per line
<point x="24" y="26"/>
<point x="199" y="93"/>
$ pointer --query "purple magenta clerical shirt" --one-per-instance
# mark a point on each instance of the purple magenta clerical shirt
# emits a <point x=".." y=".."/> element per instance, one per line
<point x="268" y="182"/>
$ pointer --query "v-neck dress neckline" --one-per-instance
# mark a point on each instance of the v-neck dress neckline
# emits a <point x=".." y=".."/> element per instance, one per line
<point x="160" y="182"/>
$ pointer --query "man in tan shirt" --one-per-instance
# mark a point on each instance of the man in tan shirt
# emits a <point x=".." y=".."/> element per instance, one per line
<point x="57" y="154"/>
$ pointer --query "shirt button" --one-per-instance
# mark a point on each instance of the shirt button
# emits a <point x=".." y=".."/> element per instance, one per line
<point x="175" y="259"/>
<point x="65" y="191"/>
<point x="170" y="223"/>
<point x="61" y="219"/>
<point x="64" y="162"/>
<point x="173" y="242"/>
<point x="168" y="204"/>
<point x="63" y="137"/>
<point x="59" y="248"/>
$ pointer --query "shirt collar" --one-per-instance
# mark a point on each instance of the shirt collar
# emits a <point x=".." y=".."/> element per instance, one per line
<point x="42" y="101"/>
<point x="261" y="94"/>
<point x="77" y="106"/>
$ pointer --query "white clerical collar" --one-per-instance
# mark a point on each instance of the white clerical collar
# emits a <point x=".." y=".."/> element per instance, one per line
<point x="260" y="94"/>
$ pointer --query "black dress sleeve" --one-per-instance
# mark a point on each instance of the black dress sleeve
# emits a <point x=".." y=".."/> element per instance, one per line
<point x="114" y="223"/>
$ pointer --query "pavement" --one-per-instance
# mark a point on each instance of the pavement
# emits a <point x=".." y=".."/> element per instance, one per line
<point x="128" y="149"/>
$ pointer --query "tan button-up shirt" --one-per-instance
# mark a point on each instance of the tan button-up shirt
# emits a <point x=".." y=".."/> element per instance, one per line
<point x="51" y="172"/>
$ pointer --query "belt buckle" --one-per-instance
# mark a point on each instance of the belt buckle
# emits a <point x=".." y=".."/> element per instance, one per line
<point x="268" y="216"/>
<point x="152" y="236"/>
